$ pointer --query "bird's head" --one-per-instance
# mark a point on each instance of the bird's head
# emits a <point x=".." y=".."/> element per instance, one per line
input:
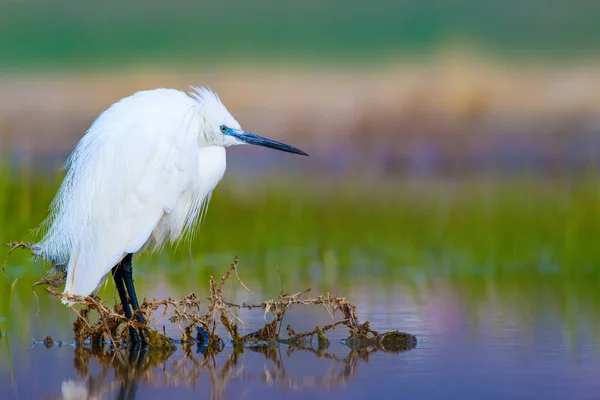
<point x="221" y="129"/>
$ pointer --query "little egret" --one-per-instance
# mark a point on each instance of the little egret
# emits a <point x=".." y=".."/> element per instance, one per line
<point x="140" y="177"/>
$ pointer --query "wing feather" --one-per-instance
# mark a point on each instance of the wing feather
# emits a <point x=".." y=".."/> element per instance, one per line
<point x="130" y="168"/>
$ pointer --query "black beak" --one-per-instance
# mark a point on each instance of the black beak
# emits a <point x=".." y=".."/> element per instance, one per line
<point x="264" y="142"/>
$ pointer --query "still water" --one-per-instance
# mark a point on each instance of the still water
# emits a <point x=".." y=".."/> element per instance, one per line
<point x="489" y="348"/>
<point x="498" y="281"/>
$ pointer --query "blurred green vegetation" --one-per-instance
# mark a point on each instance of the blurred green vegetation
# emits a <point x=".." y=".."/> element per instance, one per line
<point x="529" y="243"/>
<point x="73" y="34"/>
<point x="459" y="225"/>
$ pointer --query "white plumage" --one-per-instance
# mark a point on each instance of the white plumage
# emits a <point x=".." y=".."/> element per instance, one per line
<point x="139" y="178"/>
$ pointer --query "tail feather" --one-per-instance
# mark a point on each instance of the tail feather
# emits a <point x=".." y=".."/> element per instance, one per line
<point x="71" y="272"/>
<point x="86" y="272"/>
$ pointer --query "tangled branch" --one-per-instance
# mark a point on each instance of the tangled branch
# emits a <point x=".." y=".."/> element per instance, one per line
<point x="98" y="323"/>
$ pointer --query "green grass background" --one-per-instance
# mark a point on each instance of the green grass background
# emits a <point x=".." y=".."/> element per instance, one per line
<point x="77" y="34"/>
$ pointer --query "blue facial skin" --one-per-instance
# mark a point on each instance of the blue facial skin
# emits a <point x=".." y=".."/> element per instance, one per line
<point x="260" y="141"/>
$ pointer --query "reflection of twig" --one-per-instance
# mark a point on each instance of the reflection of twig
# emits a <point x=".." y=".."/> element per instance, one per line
<point x="132" y="366"/>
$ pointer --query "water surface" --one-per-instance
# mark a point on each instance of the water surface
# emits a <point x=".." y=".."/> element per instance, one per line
<point x="482" y="348"/>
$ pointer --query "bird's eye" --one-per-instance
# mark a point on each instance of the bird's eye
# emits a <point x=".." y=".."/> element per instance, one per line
<point x="224" y="128"/>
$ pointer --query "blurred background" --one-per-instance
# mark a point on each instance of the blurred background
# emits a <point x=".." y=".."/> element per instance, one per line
<point x="441" y="133"/>
<point x="435" y="129"/>
<point x="453" y="149"/>
<point x="402" y="86"/>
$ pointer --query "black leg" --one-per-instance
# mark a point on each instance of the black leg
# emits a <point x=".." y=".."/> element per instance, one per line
<point x="117" y="273"/>
<point x="127" y="271"/>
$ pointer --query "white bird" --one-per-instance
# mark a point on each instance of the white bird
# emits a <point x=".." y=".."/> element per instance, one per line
<point x="140" y="177"/>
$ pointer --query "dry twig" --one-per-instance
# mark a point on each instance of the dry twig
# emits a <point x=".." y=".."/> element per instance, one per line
<point x="111" y="324"/>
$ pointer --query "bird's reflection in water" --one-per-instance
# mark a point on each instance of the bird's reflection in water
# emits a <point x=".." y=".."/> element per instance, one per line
<point x="122" y="372"/>
<point x="129" y="368"/>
